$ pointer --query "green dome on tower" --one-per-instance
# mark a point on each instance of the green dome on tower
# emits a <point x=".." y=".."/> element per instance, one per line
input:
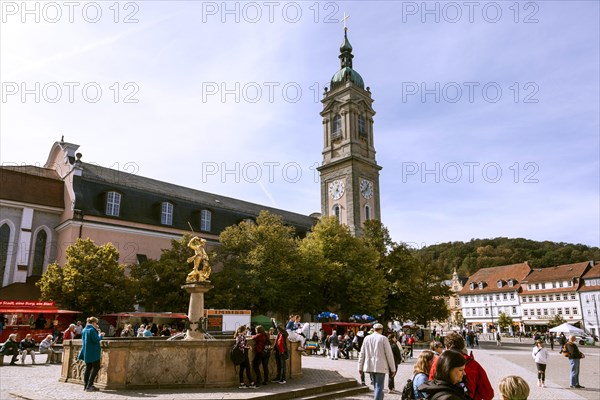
<point x="346" y="73"/>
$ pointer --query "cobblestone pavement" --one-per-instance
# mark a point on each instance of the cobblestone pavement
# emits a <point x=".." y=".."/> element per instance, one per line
<point x="41" y="381"/>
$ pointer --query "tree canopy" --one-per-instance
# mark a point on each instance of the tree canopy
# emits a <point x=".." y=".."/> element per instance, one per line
<point x="92" y="280"/>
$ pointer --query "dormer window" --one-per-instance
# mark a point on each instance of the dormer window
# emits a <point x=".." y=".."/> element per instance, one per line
<point x="471" y="286"/>
<point x="336" y="127"/>
<point x="205" y="220"/>
<point x="511" y="283"/>
<point x="166" y="214"/>
<point x="480" y="285"/>
<point x="500" y="283"/>
<point x="113" y="203"/>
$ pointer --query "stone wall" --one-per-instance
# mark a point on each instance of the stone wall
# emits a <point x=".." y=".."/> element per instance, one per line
<point x="137" y="363"/>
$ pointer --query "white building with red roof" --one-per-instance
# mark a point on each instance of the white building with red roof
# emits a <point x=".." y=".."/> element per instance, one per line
<point x="551" y="291"/>
<point x="589" y="297"/>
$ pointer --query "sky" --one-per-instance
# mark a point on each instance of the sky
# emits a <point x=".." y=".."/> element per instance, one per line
<point x="488" y="113"/>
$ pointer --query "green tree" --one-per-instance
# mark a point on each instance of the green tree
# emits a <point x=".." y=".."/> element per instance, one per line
<point x="504" y="321"/>
<point x="92" y="280"/>
<point x="262" y="269"/>
<point x="159" y="281"/>
<point x="556" y="321"/>
<point x="417" y="292"/>
<point x="347" y="278"/>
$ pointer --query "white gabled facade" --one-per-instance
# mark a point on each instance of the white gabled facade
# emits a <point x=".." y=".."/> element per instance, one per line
<point x="589" y="297"/>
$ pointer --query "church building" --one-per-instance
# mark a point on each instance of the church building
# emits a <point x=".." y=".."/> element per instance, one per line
<point x="45" y="209"/>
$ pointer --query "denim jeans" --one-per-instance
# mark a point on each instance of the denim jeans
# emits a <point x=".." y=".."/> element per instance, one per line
<point x="574" y="371"/>
<point x="378" y="384"/>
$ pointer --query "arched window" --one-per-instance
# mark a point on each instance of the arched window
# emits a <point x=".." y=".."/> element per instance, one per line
<point x="336" y="128"/>
<point x="337" y="212"/>
<point x="166" y="214"/>
<point x="205" y="220"/>
<point x="4" y="241"/>
<point x="367" y="212"/>
<point x="113" y="203"/>
<point x="362" y="127"/>
<point x="39" y="254"/>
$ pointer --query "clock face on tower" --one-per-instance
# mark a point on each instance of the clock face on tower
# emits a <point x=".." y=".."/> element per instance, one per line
<point x="366" y="188"/>
<point x="336" y="189"/>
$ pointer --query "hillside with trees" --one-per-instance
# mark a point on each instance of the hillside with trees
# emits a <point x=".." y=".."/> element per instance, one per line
<point x="469" y="257"/>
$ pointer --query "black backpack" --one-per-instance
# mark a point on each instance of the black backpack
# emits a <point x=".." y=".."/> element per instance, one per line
<point x="407" y="391"/>
<point x="237" y="355"/>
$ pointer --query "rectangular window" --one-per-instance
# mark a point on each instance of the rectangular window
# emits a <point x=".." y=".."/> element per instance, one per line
<point x="559" y="311"/>
<point x="560" y="284"/>
<point x="538" y="311"/>
<point x="524" y="299"/>
<point x="537" y="286"/>
<point x="512" y="296"/>
<point x="487" y="311"/>
<point x="485" y="298"/>
<point x="554" y="285"/>
<point x="572" y="296"/>
<point x="545" y="311"/>
<point x="205" y="220"/>
<point x="552" y="311"/>
<point x="550" y="297"/>
<point x="525" y="312"/>
<point x="474" y="312"/>
<point x="362" y="129"/>
<point x="567" y="311"/>
<point x="514" y="310"/>
<point x="543" y="297"/>
<point x="529" y="286"/>
<point x="565" y="296"/>
<point x="497" y="297"/>
<point x="166" y="214"/>
<point x="574" y="310"/>
<point x="113" y="203"/>
<point x="537" y="298"/>
<point x="504" y="296"/>
<point x="543" y="285"/>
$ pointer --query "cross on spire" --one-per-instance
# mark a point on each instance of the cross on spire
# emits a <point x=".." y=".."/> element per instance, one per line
<point x="344" y="19"/>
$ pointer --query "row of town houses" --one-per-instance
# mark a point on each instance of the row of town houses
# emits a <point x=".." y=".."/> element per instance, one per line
<point x="531" y="297"/>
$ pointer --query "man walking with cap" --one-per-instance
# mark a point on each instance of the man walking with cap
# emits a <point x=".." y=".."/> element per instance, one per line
<point x="376" y="357"/>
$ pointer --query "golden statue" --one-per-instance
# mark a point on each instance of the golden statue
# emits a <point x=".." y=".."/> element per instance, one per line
<point x="200" y="256"/>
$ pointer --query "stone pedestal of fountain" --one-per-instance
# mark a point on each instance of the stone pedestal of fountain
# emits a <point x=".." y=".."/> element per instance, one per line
<point x="196" y="308"/>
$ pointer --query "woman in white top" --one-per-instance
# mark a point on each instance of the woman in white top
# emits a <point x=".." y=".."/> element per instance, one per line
<point x="540" y="355"/>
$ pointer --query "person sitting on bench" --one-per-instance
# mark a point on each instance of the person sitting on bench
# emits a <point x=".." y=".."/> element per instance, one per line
<point x="11" y="347"/>
<point x="46" y="348"/>
<point x="27" y="346"/>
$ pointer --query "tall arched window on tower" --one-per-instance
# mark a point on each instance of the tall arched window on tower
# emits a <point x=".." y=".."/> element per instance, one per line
<point x="4" y="240"/>
<point x="336" y="128"/>
<point x="367" y="212"/>
<point x="337" y="212"/>
<point x="39" y="254"/>
<point x="362" y="127"/>
<point x="205" y="220"/>
<point x="113" y="203"/>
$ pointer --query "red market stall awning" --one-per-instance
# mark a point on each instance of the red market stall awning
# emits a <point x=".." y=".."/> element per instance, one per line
<point x="147" y="315"/>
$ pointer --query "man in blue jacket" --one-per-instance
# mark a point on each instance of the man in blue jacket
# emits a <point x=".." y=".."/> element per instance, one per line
<point x="90" y="353"/>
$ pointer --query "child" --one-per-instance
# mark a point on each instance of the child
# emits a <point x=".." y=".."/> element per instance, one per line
<point x="513" y="388"/>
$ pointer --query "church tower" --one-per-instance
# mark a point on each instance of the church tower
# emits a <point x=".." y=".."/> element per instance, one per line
<point x="349" y="172"/>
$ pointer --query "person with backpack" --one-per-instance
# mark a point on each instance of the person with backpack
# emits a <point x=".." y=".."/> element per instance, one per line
<point x="262" y="352"/>
<point x="421" y="374"/>
<point x="478" y="383"/>
<point x="540" y="355"/>
<point x="572" y="352"/>
<point x="240" y="342"/>
<point x="449" y="374"/>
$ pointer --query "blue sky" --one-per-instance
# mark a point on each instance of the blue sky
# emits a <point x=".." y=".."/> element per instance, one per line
<point x="487" y="117"/>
